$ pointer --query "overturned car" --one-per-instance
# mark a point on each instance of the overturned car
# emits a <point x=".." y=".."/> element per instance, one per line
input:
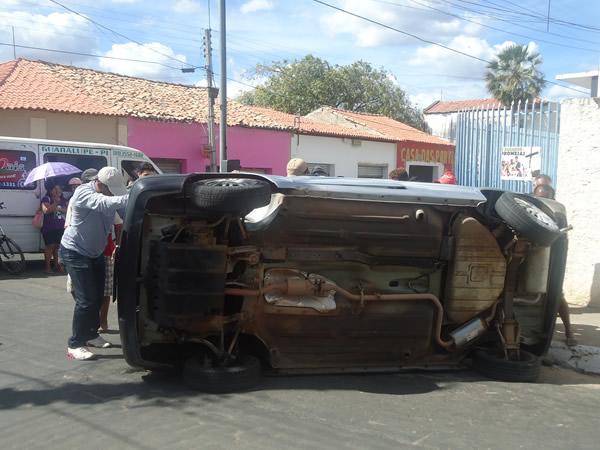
<point x="227" y="275"/>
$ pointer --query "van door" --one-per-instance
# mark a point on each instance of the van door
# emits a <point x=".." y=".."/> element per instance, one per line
<point x="18" y="203"/>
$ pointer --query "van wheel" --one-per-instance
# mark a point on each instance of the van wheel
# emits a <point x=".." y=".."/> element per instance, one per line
<point x="231" y="195"/>
<point x="242" y="374"/>
<point x="522" y="214"/>
<point x="492" y="364"/>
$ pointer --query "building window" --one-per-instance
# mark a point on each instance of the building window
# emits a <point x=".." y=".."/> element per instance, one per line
<point x="328" y="168"/>
<point x="372" y="170"/>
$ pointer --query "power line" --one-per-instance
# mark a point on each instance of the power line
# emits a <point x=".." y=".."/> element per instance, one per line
<point x="122" y="35"/>
<point x="397" y="30"/>
<point x="437" y="44"/>
<point x="67" y="52"/>
<point x="489" y="26"/>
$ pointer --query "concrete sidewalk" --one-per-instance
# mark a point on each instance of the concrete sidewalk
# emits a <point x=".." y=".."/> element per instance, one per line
<point x="584" y="357"/>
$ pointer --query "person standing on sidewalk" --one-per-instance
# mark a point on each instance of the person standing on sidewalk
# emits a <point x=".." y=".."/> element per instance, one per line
<point x="544" y="190"/>
<point x="93" y="211"/>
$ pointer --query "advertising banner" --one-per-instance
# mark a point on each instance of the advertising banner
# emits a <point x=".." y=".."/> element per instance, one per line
<point x="520" y="163"/>
<point x="14" y="167"/>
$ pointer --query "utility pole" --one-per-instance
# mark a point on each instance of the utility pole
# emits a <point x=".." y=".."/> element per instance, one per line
<point x="14" y="46"/>
<point x="212" y="94"/>
<point x="223" y="86"/>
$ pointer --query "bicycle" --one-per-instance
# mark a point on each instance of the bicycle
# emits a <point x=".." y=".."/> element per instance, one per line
<point x="11" y="255"/>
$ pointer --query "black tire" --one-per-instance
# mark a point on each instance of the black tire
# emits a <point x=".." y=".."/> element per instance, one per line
<point x="493" y="365"/>
<point x="527" y="218"/>
<point x="241" y="375"/>
<point x="13" y="259"/>
<point x="231" y="195"/>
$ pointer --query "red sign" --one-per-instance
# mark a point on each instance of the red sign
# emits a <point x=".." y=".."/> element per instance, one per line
<point x="14" y="167"/>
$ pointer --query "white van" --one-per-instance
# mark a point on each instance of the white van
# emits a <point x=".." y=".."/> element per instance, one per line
<point x="18" y="203"/>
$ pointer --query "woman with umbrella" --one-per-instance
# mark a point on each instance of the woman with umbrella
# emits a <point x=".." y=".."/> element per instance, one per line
<point x="54" y="207"/>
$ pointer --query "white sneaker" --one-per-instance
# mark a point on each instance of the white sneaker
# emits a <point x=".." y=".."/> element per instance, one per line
<point x="99" y="342"/>
<point x="79" y="353"/>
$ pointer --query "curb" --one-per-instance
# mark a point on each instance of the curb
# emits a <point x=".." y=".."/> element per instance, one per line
<point x="581" y="358"/>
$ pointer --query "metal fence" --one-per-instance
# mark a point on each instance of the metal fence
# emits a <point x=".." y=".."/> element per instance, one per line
<point x="482" y="133"/>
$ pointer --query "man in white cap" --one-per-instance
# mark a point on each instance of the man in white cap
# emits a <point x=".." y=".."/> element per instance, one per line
<point x="93" y="208"/>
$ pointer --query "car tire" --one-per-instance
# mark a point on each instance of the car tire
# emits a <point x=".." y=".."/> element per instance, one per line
<point x="242" y="375"/>
<point x="493" y="365"/>
<point x="527" y="218"/>
<point x="231" y="195"/>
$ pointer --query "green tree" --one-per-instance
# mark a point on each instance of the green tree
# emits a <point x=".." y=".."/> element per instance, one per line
<point x="514" y="75"/>
<point x="301" y="86"/>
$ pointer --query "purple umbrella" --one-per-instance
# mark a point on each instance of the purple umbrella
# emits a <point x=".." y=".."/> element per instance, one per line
<point x="49" y="170"/>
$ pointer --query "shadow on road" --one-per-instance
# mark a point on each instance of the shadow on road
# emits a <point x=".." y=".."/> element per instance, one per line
<point x="157" y="388"/>
<point x="162" y="387"/>
<point x="34" y="269"/>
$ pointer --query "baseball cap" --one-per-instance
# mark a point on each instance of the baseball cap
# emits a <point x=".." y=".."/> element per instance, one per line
<point x="297" y="166"/>
<point x="89" y="175"/>
<point x="447" y="178"/>
<point x="112" y="178"/>
<point x="74" y="181"/>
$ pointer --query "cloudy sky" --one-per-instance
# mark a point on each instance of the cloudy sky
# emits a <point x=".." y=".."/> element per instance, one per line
<point x="155" y="39"/>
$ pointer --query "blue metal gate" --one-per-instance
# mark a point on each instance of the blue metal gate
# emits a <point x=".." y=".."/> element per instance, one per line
<point x="482" y="133"/>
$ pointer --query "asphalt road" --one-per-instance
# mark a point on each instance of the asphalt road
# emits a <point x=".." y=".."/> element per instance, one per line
<point x="47" y="401"/>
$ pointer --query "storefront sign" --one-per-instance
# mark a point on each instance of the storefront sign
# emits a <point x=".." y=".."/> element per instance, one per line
<point x="427" y="155"/>
<point x="520" y="163"/>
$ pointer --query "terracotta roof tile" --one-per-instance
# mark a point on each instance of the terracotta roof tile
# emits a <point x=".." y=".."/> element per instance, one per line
<point x="386" y="126"/>
<point x="30" y="85"/>
<point x="26" y="84"/>
<point x="269" y="118"/>
<point x="455" y="106"/>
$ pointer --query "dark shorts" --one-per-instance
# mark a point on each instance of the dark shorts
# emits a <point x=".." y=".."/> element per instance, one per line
<point x="52" y="236"/>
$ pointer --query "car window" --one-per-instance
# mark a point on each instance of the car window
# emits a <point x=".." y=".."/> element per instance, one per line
<point x="82" y="162"/>
<point x="15" y="165"/>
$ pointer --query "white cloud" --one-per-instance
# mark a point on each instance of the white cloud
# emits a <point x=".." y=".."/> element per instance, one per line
<point x="256" y="5"/>
<point x="187" y="6"/>
<point x="60" y="31"/>
<point x="153" y="51"/>
<point x="417" y="21"/>
<point x="128" y="2"/>
<point x="440" y="60"/>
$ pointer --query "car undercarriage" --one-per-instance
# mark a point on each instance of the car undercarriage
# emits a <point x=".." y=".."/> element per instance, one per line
<point x="226" y="276"/>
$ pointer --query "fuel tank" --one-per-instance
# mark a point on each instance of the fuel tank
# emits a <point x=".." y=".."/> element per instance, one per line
<point x="476" y="273"/>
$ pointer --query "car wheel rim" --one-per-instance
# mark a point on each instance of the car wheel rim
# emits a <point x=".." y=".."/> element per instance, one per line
<point x="539" y="215"/>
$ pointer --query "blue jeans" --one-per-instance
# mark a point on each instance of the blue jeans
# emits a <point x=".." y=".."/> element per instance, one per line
<point x="87" y="278"/>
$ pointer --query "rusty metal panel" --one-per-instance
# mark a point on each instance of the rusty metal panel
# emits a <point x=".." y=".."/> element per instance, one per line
<point x="476" y="275"/>
<point x="383" y="334"/>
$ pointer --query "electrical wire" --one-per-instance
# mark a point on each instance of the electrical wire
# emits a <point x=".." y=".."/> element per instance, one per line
<point x="67" y="52"/>
<point x="489" y="26"/>
<point x="122" y="35"/>
<point x="419" y="38"/>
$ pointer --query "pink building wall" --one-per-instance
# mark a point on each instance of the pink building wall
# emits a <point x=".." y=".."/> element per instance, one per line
<point x="266" y="150"/>
<point x="183" y="141"/>
<point x="256" y="148"/>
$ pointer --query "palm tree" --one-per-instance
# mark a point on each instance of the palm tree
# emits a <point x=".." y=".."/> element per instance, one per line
<point x="514" y="75"/>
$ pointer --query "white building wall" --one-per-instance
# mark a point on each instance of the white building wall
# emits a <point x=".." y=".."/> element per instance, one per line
<point x="579" y="190"/>
<point x="442" y="125"/>
<point x="342" y="153"/>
